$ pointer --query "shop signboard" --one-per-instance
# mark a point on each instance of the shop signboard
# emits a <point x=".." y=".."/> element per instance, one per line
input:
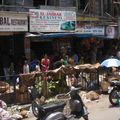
<point x="13" y="22"/>
<point x="110" y="32"/>
<point x="87" y="29"/>
<point x="52" y="20"/>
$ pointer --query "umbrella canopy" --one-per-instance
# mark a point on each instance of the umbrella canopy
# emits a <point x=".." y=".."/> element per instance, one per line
<point x="112" y="62"/>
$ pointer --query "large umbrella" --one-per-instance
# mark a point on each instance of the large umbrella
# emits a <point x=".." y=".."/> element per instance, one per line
<point x="111" y="62"/>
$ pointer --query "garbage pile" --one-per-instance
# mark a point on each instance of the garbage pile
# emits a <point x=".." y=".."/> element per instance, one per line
<point x="4" y="114"/>
<point x="14" y="112"/>
<point x="89" y="96"/>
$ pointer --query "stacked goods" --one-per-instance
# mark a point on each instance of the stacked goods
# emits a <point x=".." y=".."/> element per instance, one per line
<point x="22" y="94"/>
<point x="26" y="80"/>
<point x="87" y="66"/>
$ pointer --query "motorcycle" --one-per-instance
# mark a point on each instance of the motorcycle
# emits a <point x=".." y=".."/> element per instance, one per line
<point x="54" y="111"/>
<point x="114" y="92"/>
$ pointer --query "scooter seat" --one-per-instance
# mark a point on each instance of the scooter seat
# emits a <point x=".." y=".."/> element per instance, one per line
<point x="53" y="106"/>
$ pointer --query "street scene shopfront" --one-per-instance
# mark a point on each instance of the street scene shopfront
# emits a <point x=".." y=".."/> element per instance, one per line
<point x="53" y="28"/>
<point x="102" y="44"/>
<point x="80" y="35"/>
<point x="54" y="32"/>
<point x="13" y="27"/>
<point x="59" y="59"/>
<point x="68" y="37"/>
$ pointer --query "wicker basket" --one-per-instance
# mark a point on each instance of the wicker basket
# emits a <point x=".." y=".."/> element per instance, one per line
<point x="22" y="97"/>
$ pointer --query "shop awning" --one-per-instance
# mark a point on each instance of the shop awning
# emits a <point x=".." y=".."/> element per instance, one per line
<point x="104" y="37"/>
<point x="58" y="35"/>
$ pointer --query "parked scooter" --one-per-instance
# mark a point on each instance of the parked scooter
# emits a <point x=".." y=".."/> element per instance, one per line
<point x="114" y="92"/>
<point x="54" y="111"/>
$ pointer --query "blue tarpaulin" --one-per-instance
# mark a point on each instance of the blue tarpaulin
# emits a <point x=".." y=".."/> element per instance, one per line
<point x="59" y="35"/>
<point x="104" y="37"/>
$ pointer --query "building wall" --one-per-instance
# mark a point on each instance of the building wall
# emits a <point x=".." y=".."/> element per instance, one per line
<point x="18" y="2"/>
<point x="62" y="3"/>
<point x="101" y="6"/>
<point x="98" y="7"/>
<point x="9" y="2"/>
<point x="25" y="2"/>
<point x="67" y="3"/>
<point x="108" y="6"/>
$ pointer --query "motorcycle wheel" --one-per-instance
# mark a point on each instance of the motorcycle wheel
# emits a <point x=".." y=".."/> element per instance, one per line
<point x="113" y="97"/>
<point x="35" y="109"/>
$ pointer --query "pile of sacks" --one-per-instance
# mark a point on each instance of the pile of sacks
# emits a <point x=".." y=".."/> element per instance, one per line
<point x="89" y="96"/>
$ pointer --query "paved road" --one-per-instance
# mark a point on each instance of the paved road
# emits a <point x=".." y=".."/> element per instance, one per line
<point x="100" y="110"/>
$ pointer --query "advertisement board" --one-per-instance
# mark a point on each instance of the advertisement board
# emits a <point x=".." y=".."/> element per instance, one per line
<point x="110" y="31"/>
<point x="52" y="20"/>
<point x="13" y="22"/>
<point x="87" y="29"/>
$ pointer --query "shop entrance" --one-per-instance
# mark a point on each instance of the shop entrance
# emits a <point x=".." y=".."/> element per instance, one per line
<point x="38" y="49"/>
